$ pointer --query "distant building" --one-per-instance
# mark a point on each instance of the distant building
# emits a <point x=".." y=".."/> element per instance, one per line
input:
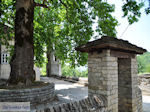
<point x="5" y="66"/>
<point x="55" y="65"/>
<point x="4" y="63"/>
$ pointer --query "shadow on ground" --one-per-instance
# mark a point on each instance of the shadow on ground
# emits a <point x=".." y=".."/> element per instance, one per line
<point x="146" y="107"/>
<point x="72" y="94"/>
<point x="67" y="92"/>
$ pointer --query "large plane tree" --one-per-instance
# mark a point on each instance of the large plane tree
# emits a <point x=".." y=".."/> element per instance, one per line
<point x="74" y="20"/>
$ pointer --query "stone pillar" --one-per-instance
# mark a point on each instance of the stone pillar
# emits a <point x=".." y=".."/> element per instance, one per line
<point x="129" y="94"/>
<point x="103" y="78"/>
<point x="136" y="91"/>
<point x="55" y="66"/>
<point x="111" y="59"/>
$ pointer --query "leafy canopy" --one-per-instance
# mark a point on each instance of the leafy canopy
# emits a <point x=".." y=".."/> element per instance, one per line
<point x="66" y="24"/>
<point x="144" y="63"/>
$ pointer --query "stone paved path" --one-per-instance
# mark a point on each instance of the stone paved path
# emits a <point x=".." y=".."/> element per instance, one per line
<point x="146" y="101"/>
<point x="67" y="92"/>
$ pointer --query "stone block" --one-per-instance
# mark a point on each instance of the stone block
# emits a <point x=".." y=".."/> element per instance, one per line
<point x="29" y="95"/>
<point x="109" y="59"/>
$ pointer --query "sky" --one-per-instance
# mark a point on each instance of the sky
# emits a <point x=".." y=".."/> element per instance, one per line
<point x="138" y="33"/>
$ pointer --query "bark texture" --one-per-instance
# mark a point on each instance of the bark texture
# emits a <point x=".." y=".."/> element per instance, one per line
<point x="22" y="61"/>
<point x="48" y="65"/>
<point x="0" y="8"/>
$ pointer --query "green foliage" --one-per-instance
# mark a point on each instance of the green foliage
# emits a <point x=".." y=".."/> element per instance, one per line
<point x="147" y="69"/>
<point x="7" y="11"/>
<point x="106" y="22"/>
<point x="67" y="24"/>
<point x="140" y="66"/>
<point x="73" y="72"/>
<point x="43" y="71"/>
<point x="131" y="9"/>
<point x="147" y="10"/>
<point x="144" y="63"/>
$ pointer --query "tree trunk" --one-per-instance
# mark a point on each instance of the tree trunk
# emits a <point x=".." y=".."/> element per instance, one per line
<point x="48" y="65"/>
<point x="0" y="9"/>
<point x="22" y="61"/>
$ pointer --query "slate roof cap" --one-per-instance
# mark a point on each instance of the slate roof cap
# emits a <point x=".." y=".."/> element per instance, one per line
<point x="110" y="43"/>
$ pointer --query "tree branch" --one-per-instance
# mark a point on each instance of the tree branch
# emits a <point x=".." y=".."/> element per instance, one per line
<point x="40" y="5"/>
<point x="44" y="1"/>
<point x="63" y="3"/>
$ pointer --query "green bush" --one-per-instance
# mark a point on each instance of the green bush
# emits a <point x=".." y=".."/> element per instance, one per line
<point x="73" y="72"/>
<point x="43" y="71"/>
<point x="147" y="68"/>
<point x="144" y="63"/>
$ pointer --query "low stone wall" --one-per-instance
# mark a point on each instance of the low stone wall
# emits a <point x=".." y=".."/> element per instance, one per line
<point x="67" y="78"/>
<point x="90" y="104"/>
<point x="83" y="81"/>
<point x="34" y="95"/>
<point x="144" y="82"/>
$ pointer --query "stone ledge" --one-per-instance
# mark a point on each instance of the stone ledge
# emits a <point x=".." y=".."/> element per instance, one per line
<point x="90" y="104"/>
<point x="34" y="95"/>
<point x="71" y="79"/>
<point x="144" y="76"/>
<point x="144" y="82"/>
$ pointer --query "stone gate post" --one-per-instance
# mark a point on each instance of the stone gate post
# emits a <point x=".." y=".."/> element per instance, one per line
<point x="112" y="73"/>
<point x="103" y="78"/>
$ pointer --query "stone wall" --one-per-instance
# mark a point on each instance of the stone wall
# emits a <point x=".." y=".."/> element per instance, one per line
<point x="115" y="78"/>
<point x="112" y="73"/>
<point x="129" y="93"/>
<point x="33" y="95"/>
<point x="4" y="64"/>
<point x="56" y="68"/>
<point x="144" y="82"/>
<point x="124" y="85"/>
<point x="90" y="104"/>
<point x="5" y="72"/>
<point x="103" y="78"/>
<point x="136" y="91"/>
<point x="55" y="65"/>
